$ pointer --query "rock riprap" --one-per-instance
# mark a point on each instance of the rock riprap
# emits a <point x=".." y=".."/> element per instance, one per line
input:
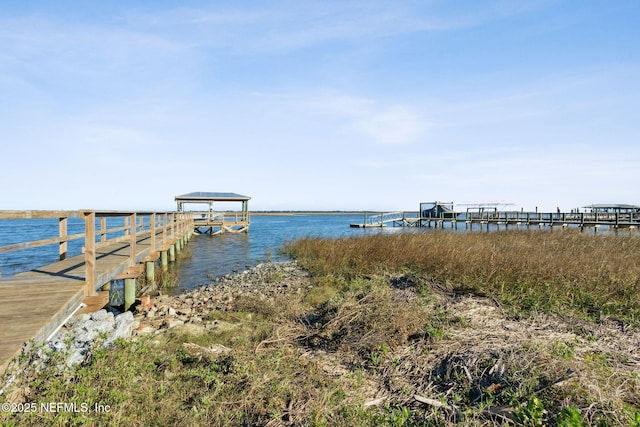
<point x="81" y="332"/>
<point x="264" y="281"/>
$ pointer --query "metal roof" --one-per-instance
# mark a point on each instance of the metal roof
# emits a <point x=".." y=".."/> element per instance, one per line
<point x="203" y="196"/>
<point x="612" y="206"/>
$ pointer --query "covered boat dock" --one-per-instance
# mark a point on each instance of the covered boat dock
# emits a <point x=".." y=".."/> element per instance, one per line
<point x="214" y="221"/>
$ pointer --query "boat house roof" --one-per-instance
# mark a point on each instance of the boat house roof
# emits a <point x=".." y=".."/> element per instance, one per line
<point x="613" y="207"/>
<point x="206" y="196"/>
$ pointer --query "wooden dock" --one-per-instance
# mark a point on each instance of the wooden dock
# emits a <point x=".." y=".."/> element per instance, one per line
<point x="206" y="222"/>
<point x="35" y="303"/>
<point x="213" y="222"/>
<point x="506" y="219"/>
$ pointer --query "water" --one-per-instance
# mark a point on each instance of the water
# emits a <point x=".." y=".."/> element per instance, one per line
<point x="213" y="256"/>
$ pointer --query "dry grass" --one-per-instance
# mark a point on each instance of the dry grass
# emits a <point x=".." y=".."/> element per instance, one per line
<point x="560" y="272"/>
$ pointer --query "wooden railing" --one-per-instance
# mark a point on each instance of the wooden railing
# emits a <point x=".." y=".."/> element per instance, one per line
<point x="208" y="216"/>
<point x="573" y="217"/>
<point x="62" y="239"/>
<point x="582" y="219"/>
<point x="163" y="227"/>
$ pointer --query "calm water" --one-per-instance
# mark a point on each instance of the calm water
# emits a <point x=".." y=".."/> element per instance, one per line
<point x="213" y="256"/>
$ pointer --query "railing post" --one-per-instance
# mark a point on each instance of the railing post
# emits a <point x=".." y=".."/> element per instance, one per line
<point x="90" y="253"/>
<point x="172" y="240"/>
<point x="152" y="220"/>
<point x="164" y="262"/>
<point x="164" y="229"/>
<point x="173" y="227"/>
<point x="103" y="229"/>
<point x="62" y="248"/>
<point x="132" y="240"/>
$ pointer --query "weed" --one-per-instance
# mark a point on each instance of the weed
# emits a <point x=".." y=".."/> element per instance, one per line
<point x="531" y="412"/>
<point x="563" y="350"/>
<point x="570" y="417"/>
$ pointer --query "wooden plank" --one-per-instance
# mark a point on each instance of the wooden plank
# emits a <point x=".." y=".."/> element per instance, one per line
<point x="37" y="243"/>
<point x="94" y="303"/>
<point x="151" y="257"/>
<point x="33" y="317"/>
<point x="131" y="272"/>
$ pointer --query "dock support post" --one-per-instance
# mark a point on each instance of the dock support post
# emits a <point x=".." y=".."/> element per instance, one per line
<point x="178" y="245"/>
<point x="129" y="292"/>
<point x="164" y="262"/>
<point x="172" y="253"/>
<point x="149" y="271"/>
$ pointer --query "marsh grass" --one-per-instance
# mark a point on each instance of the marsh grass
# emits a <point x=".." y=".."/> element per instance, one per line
<point x="562" y="272"/>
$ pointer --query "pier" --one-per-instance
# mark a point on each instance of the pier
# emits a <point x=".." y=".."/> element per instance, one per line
<point x="211" y="221"/>
<point x="382" y="219"/>
<point x="35" y="303"/>
<point x="439" y="215"/>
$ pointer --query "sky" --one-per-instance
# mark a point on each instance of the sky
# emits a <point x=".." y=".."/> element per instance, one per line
<point x="319" y="105"/>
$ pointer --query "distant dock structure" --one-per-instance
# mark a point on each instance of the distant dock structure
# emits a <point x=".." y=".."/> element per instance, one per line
<point x="217" y="222"/>
<point x="441" y="214"/>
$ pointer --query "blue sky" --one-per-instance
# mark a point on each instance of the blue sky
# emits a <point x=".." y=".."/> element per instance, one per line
<point x="299" y="104"/>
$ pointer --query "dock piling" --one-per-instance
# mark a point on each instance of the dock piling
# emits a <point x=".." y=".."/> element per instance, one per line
<point x="129" y="292"/>
<point x="149" y="270"/>
<point x="164" y="262"/>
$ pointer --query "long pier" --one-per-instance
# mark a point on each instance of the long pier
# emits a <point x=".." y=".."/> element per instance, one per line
<point x="513" y="219"/>
<point x="383" y="219"/>
<point x="35" y="303"/>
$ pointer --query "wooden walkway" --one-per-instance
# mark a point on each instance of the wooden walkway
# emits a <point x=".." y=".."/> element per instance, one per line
<point x="613" y="220"/>
<point x="35" y="303"/>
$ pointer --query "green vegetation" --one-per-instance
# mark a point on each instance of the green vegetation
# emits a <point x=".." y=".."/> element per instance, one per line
<point x="385" y="335"/>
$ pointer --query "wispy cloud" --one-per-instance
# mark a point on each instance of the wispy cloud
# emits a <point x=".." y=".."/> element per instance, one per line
<point x="394" y="125"/>
<point x="378" y="121"/>
<point x="293" y="25"/>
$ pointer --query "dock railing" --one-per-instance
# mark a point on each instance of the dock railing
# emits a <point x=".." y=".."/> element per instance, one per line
<point x="206" y="217"/>
<point x="582" y="219"/>
<point x="163" y="228"/>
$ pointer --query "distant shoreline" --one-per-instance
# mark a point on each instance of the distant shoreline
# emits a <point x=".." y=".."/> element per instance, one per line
<point x="294" y="213"/>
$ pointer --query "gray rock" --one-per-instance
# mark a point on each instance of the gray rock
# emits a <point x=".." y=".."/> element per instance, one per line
<point x="123" y="328"/>
<point x="84" y="337"/>
<point x="101" y="315"/>
<point x="76" y="357"/>
<point x="124" y="324"/>
<point x="102" y="326"/>
<point x="79" y="319"/>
